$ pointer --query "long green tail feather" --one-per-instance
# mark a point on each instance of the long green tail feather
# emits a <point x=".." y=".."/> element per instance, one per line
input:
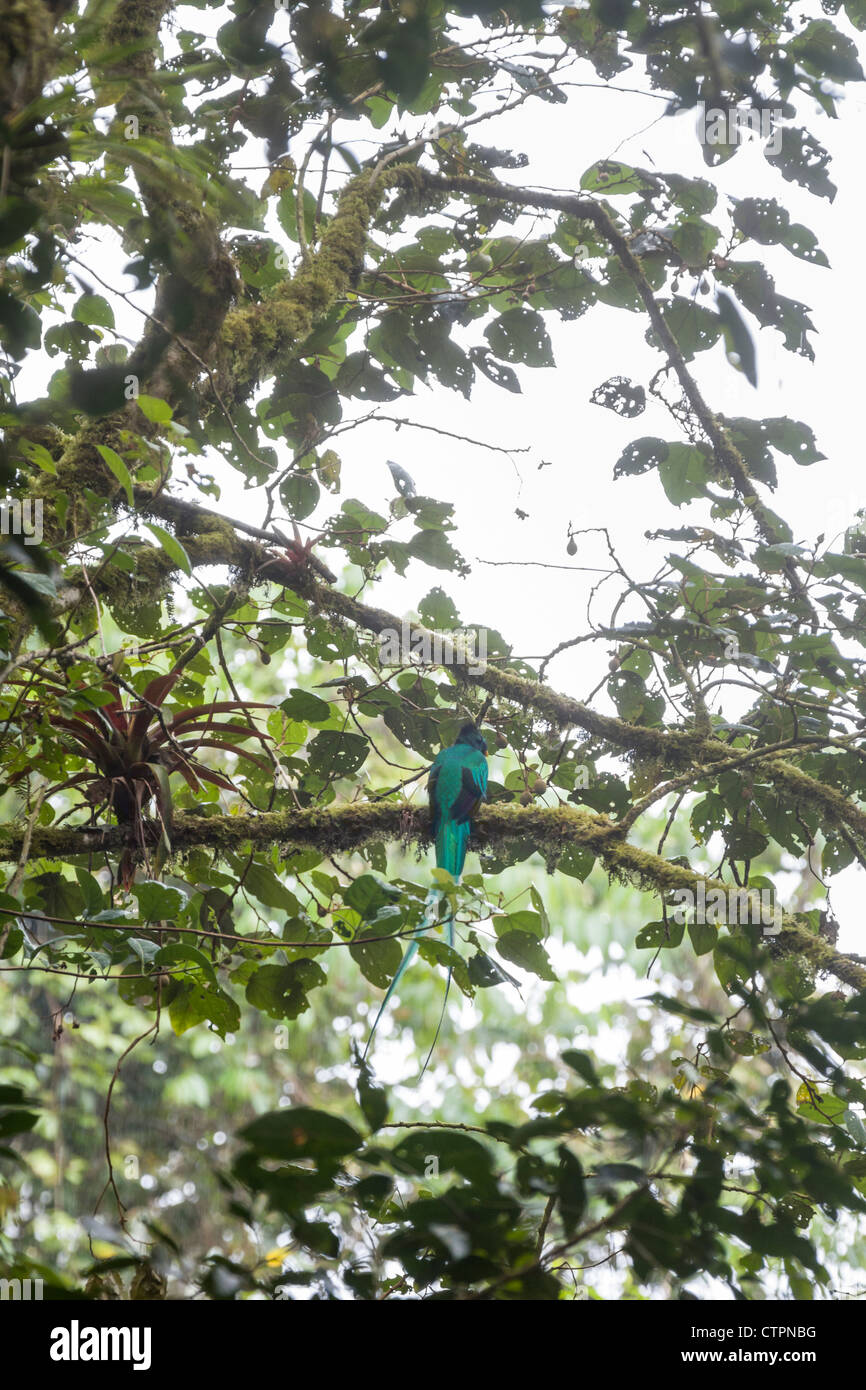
<point x="451" y="844"/>
<point x="452" y="841"/>
<point x="449" y="926"/>
<point x="430" y="915"/>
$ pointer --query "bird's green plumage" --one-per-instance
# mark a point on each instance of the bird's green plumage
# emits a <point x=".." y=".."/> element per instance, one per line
<point x="456" y="785"/>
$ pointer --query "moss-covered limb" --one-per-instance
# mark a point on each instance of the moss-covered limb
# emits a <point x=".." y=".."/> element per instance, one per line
<point x="342" y="828"/>
<point x="27" y="50"/>
<point x="331" y="829"/>
<point x="132" y="33"/>
<point x="29" y="138"/>
<point x="838" y="810"/>
<point x="258" y="339"/>
<point x="248" y="341"/>
<point x="194" y="291"/>
<point x="655" y="874"/>
<point x="674" y="748"/>
<point x="206" y="538"/>
<point x="209" y="540"/>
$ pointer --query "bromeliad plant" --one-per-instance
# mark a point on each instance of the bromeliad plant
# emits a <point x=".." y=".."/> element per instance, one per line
<point x="133" y="750"/>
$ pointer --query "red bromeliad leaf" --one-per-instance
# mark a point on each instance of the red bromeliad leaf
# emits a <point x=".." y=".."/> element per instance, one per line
<point x="62" y="786"/>
<point x="229" y="748"/>
<point x="132" y="766"/>
<point x="218" y="707"/>
<point x="154" y="692"/>
<point x="188" y="775"/>
<point x="107" y="759"/>
<point x="242" y="730"/>
<point x="163" y="797"/>
<point x="216" y="778"/>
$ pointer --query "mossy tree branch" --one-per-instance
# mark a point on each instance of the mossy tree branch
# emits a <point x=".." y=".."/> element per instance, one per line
<point x="346" y="827"/>
<point x="209" y="540"/>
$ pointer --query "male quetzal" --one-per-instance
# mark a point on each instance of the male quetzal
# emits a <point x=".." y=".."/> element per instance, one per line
<point x="455" y="786"/>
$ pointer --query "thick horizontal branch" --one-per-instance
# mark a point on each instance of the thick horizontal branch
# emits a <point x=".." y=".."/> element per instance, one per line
<point x="209" y="540"/>
<point x="336" y="829"/>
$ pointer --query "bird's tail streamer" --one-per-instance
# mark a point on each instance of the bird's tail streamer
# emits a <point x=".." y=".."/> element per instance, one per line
<point x="430" y="919"/>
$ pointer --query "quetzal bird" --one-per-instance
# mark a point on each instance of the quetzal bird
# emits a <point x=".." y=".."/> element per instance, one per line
<point x="457" y="783"/>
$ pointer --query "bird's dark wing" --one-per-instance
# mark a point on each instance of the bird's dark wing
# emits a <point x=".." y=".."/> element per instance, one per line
<point x="473" y="788"/>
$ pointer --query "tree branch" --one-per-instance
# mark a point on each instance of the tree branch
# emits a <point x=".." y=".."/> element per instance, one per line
<point x="346" y="827"/>
<point x="214" y="542"/>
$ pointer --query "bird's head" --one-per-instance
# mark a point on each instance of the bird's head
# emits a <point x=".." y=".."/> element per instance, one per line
<point x="473" y="737"/>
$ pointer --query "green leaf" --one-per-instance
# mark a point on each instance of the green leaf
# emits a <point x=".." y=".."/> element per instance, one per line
<point x="572" y="1189"/>
<point x="683" y="473"/>
<point x="738" y="337"/>
<point x="93" y="895"/>
<point x="17" y="216"/>
<point x="115" y="463"/>
<point x="159" y="412"/>
<point x="703" y="936"/>
<point x="434" y="548"/>
<point x="281" y="990"/>
<point x="334" y="754"/>
<point x="582" y="1063"/>
<point x="451" y="1149"/>
<point x="436" y="610"/>
<point x="659" y="935"/>
<point x="485" y="973"/>
<point x="263" y="883"/>
<point x="172" y="547"/>
<point x="610" y="177"/>
<point x="183" y="955"/>
<point x="525" y="950"/>
<point x="301" y="1133"/>
<point x="520" y="335"/>
<point x="820" y="1106"/>
<point x="369" y="893"/>
<point x="193" y="1004"/>
<point x="38" y="454"/>
<point x="300" y="494"/>
<point x="16" y="1122"/>
<point x="92" y="308"/>
<point x="157" y="902"/>
<point x="576" y="862"/>
<point x="372" y="1098"/>
<point x="22" y="325"/>
<point x="305" y="707"/>
<point x="378" y="961"/>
